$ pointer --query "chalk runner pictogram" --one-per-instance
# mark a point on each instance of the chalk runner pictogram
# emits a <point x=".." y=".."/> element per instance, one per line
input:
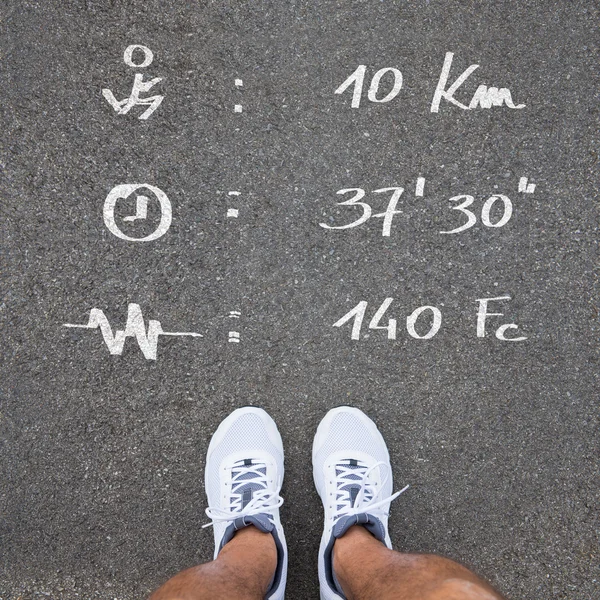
<point x="122" y="107"/>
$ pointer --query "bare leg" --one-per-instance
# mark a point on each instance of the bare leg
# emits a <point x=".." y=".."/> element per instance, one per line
<point x="242" y="571"/>
<point x="367" y="570"/>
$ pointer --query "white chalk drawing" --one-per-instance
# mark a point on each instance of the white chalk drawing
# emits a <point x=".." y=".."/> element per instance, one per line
<point x="123" y="191"/>
<point x="485" y="211"/>
<point x="122" y="107"/>
<point x="233" y="213"/>
<point x="435" y="325"/>
<point x="234" y="336"/>
<point x="496" y="211"/>
<point x="238" y="84"/>
<point x="483" y="314"/>
<point x="358" y="79"/>
<point x="128" y="56"/>
<point x="141" y="209"/>
<point x="387" y="215"/>
<point x="526" y="188"/>
<point x="483" y="97"/>
<point x="358" y="314"/>
<point x="134" y="327"/>
<point x="424" y="316"/>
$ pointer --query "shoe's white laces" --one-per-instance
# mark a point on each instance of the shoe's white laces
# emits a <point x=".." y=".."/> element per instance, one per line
<point x="264" y="500"/>
<point x="348" y="477"/>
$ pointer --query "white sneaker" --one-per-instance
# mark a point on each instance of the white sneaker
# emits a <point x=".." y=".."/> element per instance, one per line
<point x="243" y="477"/>
<point x="353" y="476"/>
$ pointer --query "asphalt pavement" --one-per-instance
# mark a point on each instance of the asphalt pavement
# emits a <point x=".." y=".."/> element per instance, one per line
<point x="103" y="435"/>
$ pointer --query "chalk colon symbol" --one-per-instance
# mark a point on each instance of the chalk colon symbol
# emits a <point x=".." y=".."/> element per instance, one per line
<point x="234" y="336"/>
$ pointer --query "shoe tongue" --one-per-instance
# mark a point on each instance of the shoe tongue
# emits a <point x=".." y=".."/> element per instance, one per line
<point x="352" y="465"/>
<point x="353" y="490"/>
<point x="372" y="524"/>
<point x="246" y="470"/>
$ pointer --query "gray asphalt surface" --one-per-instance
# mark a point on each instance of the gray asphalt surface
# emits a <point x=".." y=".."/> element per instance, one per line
<point x="102" y="456"/>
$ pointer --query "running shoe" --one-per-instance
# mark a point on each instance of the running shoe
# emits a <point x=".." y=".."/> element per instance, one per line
<point x="353" y="476"/>
<point x="243" y="477"/>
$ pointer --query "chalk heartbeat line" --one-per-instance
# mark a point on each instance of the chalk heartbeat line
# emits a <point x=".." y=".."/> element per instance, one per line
<point x="134" y="327"/>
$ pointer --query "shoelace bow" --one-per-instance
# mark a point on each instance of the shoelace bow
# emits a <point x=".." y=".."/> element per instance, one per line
<point x="263" y="500"/>
<point x="366" y="499"/>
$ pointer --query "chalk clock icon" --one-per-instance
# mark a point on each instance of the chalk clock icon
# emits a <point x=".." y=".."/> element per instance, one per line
<point x="142" y="200"/>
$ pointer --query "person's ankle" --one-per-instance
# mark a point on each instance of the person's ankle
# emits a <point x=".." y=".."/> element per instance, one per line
<point x="349" y="547"/>
<point x="254" y="546"/>
<point x="357" y="534"/>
